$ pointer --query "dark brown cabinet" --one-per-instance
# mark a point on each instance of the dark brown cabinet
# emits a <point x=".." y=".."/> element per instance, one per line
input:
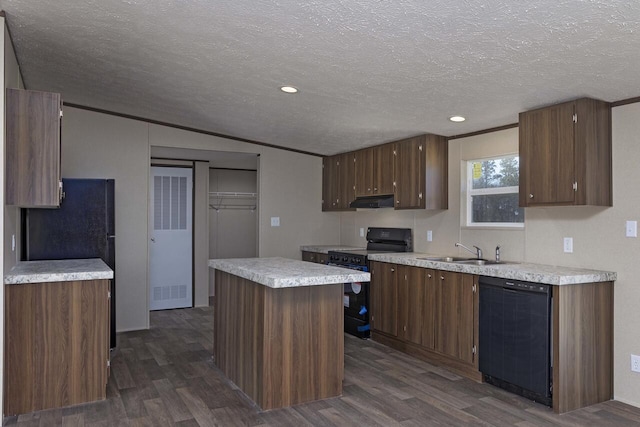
<point x="565" y="154"/>
<point x="421" y="173"/>
<point x="33" y="148"/>
<point x="416" y="294"/>
<point x="317" y="257"/>
<point x="431" y="314"/>
<point x="374" y="171"/>
<point x="456" y="315"/>
<point x="384" y="297"/>
<point x="56" y="344"/>
<point x="338" y="181"/>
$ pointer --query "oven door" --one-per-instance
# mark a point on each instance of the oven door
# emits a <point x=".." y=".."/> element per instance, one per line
<point x="356" y="305"/>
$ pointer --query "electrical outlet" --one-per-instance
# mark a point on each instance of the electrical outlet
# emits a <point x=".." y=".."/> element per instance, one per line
<point x="13" y="243"/>
<point x="568" y="245"/>
<point x="632" y="229"/>
<point x="635" y="363"/>
<point x="275" y="221"/>
<point x="429" y="236"/>
<point x="361" y="232"/>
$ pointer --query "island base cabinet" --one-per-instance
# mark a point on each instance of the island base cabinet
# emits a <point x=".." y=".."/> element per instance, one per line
<point x="281" y="346"/>
<point x="56" y="344"/>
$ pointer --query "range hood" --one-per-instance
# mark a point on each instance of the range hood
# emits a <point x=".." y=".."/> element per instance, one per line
<point x="373" y="202"/>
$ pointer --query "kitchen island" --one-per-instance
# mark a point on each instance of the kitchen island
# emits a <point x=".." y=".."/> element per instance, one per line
<point x="56" y="334"/>
<point x="278" y="328"/>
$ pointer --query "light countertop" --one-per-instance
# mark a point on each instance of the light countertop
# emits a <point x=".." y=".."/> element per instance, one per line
<point x="324" y="249"/>
<point x="64" y="270"/>
<point x="287" y="273"/>
<point x="537" y="273"/>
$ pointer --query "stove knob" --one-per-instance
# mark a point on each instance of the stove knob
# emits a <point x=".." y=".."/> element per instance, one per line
<point x="357" y="261"/>
<point x="345" y="259"/>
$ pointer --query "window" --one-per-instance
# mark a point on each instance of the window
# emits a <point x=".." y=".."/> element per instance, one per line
<point x="492" y="193"/>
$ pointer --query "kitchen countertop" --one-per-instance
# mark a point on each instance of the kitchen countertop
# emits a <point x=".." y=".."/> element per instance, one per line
<point x="287" y="273"/>
<point x="538" y="273"/>
<point x="65" y="270"/>
<point x="324" y="249"/>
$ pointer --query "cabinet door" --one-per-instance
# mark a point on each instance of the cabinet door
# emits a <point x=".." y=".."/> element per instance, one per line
<point x="329" y="183"/>
<point x="384" y="297"/>
<point x="411" y="288"/>
<point x="547" y="156"/>
<point x="364" y="172"/>
<point x="33" y="148"/>
<point x="308" y="256"/>
<point x="383" y="169"/>
<point x="455" y="324"/>
<point x="57" y="344"/>
<point x="346" y="190"/>
<point x="321" y="258"/>
<point x="409" y="173"/>
<point x="429" y="308"/>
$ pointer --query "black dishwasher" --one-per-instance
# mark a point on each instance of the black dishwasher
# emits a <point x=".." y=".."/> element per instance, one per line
<point x="515" y="331"/>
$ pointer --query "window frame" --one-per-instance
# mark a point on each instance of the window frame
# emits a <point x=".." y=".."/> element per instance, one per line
<point x="470" y="192"/>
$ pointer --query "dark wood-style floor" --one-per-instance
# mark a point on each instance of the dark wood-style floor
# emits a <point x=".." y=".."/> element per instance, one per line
<point x="165" y="376"/>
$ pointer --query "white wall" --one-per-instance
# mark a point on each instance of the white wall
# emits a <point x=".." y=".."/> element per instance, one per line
<point x="101" y="145"/>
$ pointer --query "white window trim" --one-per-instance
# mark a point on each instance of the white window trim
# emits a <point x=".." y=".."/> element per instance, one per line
<point x="470" y="192"/>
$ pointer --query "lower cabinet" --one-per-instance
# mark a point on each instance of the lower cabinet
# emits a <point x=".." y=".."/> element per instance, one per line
<point x="456" y="316"/>
<point x="430" y="314"/>
<point x="56" y="344"/>
<point x="384" y="298"/>
<point x="317" y="257"/>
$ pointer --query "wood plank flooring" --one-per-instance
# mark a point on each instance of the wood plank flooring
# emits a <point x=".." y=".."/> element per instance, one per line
<point x="165" y="377"/>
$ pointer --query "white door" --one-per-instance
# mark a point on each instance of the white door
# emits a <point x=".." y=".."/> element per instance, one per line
<point x="170" y="246"/>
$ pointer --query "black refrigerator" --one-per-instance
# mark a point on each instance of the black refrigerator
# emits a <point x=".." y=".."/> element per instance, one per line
<point x="83" y="227"/>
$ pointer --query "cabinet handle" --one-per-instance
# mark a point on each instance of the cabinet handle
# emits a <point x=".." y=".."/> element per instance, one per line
<point x="531" y="196"/>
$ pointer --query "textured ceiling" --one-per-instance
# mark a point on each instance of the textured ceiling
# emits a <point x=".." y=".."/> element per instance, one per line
<point x="368" y="71"/>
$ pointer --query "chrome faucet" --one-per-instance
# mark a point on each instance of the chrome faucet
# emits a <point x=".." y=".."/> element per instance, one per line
<point x="477" y="252"/>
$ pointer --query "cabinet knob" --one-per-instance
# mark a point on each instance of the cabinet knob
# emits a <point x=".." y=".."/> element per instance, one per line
<point x="441" y="277"/>
<point x="397" y="202"/>
<point x="393" y="269"/>
<point x="429" y="276"/>
<point x="375" y="188"/>
<point x="531" y="196"/>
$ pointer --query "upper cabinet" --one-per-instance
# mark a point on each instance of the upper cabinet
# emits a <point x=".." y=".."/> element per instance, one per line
<point x="374" y="171"/>
<point x="565" y="154"/>
<point x="338" y="181"/>
<point x="420" y="173"/>
<point x="413" y="170"/>
<point x="33" y="148"/>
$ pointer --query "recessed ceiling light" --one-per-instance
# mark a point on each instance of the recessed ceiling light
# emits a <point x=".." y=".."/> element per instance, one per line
<point x="457" y="119"/>
<point x="288" y="89"/>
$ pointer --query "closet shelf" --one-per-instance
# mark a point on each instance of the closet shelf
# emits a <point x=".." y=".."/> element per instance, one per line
<point x="232" y="200"/>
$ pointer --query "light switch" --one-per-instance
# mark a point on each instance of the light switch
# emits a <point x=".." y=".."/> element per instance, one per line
<point x="632" y="229"/>
<point x="361" y="232"/>
<point x="275" y="221"/>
